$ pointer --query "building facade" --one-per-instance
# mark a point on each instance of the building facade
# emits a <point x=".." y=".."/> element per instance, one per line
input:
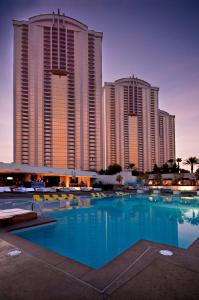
<point x="57" y="93"/>
<point x="132" y="124"/>
<point x="167" y="136"/>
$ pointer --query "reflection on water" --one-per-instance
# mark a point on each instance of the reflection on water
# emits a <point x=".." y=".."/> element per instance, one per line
<point x="96" y="235"/>
<point x="192" y="217"/>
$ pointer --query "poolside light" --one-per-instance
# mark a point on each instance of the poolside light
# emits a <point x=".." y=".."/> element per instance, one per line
<point x="15" y="252"/>
<point x="166" y="252"/>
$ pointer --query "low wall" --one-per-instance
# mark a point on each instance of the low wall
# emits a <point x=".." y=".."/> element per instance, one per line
<point x="111" y="179"/>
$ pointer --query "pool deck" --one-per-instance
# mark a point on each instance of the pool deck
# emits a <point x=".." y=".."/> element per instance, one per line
<point x="138" y="273"/>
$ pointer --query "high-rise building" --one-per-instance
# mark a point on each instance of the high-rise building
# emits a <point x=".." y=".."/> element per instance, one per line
<point x="57" y="93"/>
<point x="167" y="136"/>
<point x="132" y="124"/>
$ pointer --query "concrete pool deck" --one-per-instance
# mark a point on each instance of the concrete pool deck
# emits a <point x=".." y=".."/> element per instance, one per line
<point x="138" y="273"/>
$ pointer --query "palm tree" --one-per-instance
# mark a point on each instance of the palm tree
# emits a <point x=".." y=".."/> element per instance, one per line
<point x="191" y="161"/>
<point x="178" y="160"/>
<point x="131" y="166"/>
<point x="119" y="178"/>
<point x="113" y="169"/>
<point x="143" y="177"/>
<point x="158" y="178"/>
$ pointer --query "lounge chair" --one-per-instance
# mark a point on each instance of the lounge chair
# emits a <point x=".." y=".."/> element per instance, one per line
<point x="48" y="198"/>
<point x="124" y="194"/>
<point x="99" y="195"/>
<point x="64" y="196"/>
<point x="55" y="197"/>
<point x="37" y="198"/>
<point x="103" y="195"/>
<point x="71" y="197"/>
<point x="95" y="195"/>
<point x="119" y="193"/>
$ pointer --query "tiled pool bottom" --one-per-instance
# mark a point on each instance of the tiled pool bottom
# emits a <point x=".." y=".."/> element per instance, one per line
<point x="96" y="235"/>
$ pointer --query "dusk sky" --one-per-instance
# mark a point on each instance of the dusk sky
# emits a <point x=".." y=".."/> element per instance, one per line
<point x="156" y="40"/>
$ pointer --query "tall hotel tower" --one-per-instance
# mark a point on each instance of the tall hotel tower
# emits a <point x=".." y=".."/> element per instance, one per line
<point x="57" y="93"/>
<point x="167" y="136"/>
<point x="132" y="124"/>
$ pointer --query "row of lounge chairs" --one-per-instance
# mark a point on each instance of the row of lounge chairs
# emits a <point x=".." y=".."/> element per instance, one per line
<point x="68" y="200"/>
<point x="98" y="195"/>
<point x="121" y="193"/>
<point x="54" y="197"/>
<point x="101" y="195"/>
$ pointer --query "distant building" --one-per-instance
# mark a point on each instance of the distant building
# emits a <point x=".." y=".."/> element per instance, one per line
<point x="131" y="114"/>
<point x="57" y="93"/>
<point x="167" y="136"/>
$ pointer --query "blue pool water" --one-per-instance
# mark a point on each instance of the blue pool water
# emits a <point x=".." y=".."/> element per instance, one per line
<point x="96" y="235"/>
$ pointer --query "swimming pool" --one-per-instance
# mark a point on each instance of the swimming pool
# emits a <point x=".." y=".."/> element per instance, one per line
<point x="96" y="235"/>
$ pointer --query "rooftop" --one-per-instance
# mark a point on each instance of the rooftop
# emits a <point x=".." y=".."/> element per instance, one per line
<point x="131" y="80"/>
<point x="53" y="17"/>
<point x="18" y="168"/>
